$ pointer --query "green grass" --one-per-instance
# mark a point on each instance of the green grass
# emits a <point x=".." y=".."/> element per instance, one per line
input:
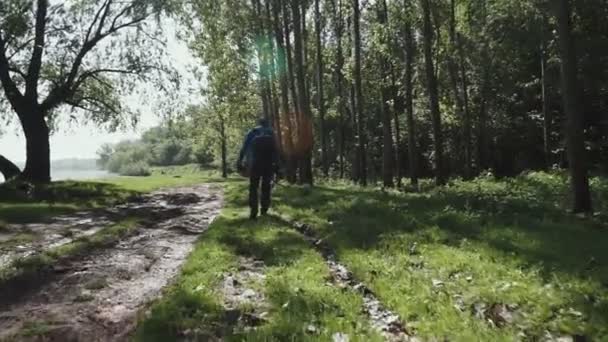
<point x="66" y="197"/>
<point x="81" y="246"/>
<point x="294" y="287"/>
<point x="481" y="242"/>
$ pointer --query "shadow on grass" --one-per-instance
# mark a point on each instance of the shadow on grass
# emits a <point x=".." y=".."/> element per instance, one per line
<point x="22" y="205"/>
<point x="533" y="228"/>
<point x="279" y="247"/>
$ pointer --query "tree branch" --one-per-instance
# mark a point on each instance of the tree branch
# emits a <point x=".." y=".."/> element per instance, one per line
<point x="10" y="88"/>
<point x="8" y="169"/>
<point x="17" y="71"/>
<point x="62" y="92"/>
<point x="33" y="72"/>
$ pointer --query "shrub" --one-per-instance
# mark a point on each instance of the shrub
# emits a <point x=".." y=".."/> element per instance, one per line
<point x="139" y="169"/>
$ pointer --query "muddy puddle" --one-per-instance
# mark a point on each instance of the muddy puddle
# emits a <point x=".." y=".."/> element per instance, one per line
<point x="98" y="297"/>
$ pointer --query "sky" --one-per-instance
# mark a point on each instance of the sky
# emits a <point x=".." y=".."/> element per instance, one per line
<point x="83" y="141"/>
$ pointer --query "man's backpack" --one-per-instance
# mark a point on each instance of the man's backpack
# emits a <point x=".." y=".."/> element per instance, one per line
<point x="261" y="148"/>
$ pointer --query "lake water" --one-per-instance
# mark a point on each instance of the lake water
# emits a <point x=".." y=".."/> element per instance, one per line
<point x="64" y="174"/>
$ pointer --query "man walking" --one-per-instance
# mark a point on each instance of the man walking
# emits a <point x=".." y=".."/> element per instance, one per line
<point x="259" y="157"/>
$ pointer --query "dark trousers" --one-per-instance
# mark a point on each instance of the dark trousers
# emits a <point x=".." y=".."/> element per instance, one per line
<point x="254" y="185"/>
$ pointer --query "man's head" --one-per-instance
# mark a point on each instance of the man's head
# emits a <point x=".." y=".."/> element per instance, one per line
<point x="263" y="122"/>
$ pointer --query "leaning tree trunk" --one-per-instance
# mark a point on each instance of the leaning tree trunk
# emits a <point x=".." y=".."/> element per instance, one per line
<point x="8" y="169"/>
<point x="579" y="180"/>
<point x="38" y="162"/>
<point x="433" y="93"/>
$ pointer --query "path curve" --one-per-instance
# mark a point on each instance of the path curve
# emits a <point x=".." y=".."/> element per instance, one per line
<point x="98" y="297"/>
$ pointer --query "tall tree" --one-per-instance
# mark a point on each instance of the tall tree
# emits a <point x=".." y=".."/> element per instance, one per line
<point x="304" y="125"/>
<point x="320" y="94"/>
<point x="358" y="96"/>
<point x="387" y="132"/>
<point x="339" y="80"/>
<point x="409" y="55"/>
<point x="574" y="129"/>
<point x="285" y="116"/>
<point x="60" y="69"/>
<point x="433" y="93"/>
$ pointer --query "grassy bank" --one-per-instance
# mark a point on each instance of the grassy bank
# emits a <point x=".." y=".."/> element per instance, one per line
<point x="65" y="197"/>
<point x="484" y="260"/>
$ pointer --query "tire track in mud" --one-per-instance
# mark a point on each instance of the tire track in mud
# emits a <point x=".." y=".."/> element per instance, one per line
<point x="388" y="323"/>
<point x="98" y="297"/>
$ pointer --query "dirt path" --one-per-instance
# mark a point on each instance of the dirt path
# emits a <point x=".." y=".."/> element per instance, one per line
<point x="98" y="297"/>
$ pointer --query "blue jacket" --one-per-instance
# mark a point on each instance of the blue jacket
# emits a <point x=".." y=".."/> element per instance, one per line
<point x="245" y="153"/>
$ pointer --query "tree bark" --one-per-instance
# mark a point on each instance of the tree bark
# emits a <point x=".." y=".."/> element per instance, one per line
<point x="575" y="139"/>
<point x="409" y="103"/>
<point x="8" y="169"/>
<point x="433" y="93"/>
<point x="38" y="151"/>
<point x="339" y="84"/>
<point x="223" y="147"/>
<point x="288" y="143"/>
<point x="468" y="167"/>
<point x="359" y="95"/>
<point x="397" y="109"/>
<point x="387" y="131"/>
<point x="294" y="117"/>
<point x="320" y="94"/>
<point x="305" y="160"/>
<point x="545" y="107"/>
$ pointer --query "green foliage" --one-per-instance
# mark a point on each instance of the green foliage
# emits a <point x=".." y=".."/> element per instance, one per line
<point x="136" y="169"/>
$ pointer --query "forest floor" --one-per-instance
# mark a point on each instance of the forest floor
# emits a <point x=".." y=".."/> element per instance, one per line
<point x="484" y="260"/>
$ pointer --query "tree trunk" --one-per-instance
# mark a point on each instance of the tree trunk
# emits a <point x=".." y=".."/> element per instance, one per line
<point x="287" y="137"/>
<point x="574" y="129"/>
<point x="224" y="148"/>
<point x="305" y="163"/>
<point x="433" y="93"/>
<point x="293" y="165"/>
<point x="36" y="131"/>
<point x="320" y="97"/>
<point x="339" y="86"/>
<point x="546" y="113"/>
<point x="8" y="169"/>
<point x="397" y="109"/>
<point x="359" y="95"/>
<point x="468" y="167"/>
<point x="260" y="49"/>
<point x="482" y="125"/>
<point x="387" y="131"/>
<point x="409" y="101"/>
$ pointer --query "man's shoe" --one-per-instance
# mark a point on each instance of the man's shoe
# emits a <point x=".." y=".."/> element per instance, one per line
<point x="253" y="216"/>
<point x="264" y="212"/>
